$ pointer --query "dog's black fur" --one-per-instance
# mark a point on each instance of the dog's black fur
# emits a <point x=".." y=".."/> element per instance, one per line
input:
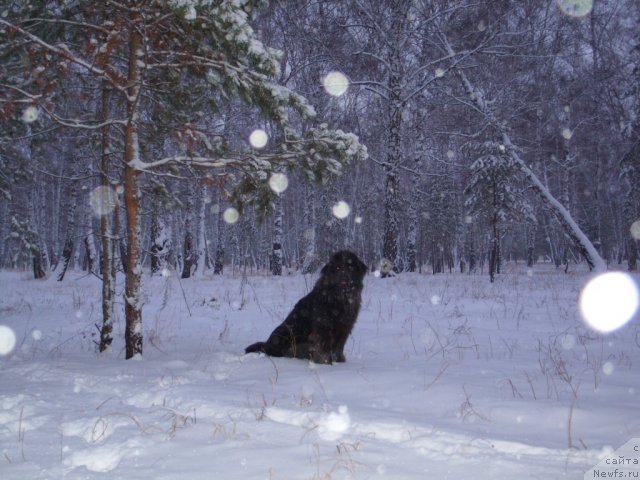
<point x="318" y="326"/>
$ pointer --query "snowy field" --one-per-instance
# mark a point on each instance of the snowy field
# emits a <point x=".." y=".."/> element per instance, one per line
<point x="447" y="377"/>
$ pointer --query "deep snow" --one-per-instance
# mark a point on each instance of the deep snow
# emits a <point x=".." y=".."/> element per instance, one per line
<point x="447" y="376"/>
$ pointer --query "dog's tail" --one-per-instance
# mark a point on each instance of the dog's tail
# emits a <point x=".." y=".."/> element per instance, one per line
<point x="258" y="347"/>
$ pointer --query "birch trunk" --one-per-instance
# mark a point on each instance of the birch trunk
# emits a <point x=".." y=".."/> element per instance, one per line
<point x="276" y="251"/>
<point x="106" y="236"/>
<point x="69" y="244"/>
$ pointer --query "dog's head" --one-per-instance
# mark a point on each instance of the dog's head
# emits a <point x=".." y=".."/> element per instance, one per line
<point x="344" y="270"/>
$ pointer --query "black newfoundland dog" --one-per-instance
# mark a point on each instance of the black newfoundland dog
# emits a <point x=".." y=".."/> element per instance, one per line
<point x="318" y="326"/>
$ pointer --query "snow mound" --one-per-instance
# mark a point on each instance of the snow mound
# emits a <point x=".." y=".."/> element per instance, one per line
<point x="101" y="459"/>
<point x="331" y="425"/>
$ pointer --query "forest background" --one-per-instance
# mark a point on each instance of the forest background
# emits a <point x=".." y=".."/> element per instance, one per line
<point x="125" y="127"/>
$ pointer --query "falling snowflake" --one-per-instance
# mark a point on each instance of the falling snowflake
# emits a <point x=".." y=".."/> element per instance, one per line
<point x="258" y="138"/>
<point x="609" y="301"/>
<point x="278" y="182"/>
<point x="7" y="340"/>
<point x="341" y="209"/>
<point x="575" y="8"/>
<point x="335" y="83"/>
<point x="231" y="215"/>
<point x="30" y="114"/>
<point x="102" y="200"/>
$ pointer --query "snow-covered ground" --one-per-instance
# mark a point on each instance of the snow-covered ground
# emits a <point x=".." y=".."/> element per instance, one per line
<point x="447" y="377"/>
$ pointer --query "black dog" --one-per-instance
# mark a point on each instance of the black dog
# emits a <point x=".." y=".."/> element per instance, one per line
<point x="318" y="326"/>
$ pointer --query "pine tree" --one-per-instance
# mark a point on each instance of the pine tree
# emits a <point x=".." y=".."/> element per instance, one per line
<point x="199" y="48"/>
<point x="493" y="192"/>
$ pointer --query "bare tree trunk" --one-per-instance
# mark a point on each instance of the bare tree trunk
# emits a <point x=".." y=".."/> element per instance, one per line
<point x="160" y="240"/>
<point x="530" y="239"/>
<point x="494" y="253"/>
<point x="310" y="262"/>
<point x="91" y="252"/>
<point x="133" y="278"/>
<point x="69" y="243"/>
<point x="218" y="263"/>
<point x="190" y="255"/>
<point x="392" y="185"/>
<point x="412" y="234"/>
<point x="204" y="261"/>
<point x="106" y="235"/>
<point x="276" y="251"/>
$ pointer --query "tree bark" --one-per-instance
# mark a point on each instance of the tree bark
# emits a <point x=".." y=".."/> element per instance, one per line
<point x="67" y="249"/>
<point x="276" y="251"/>
<point x="106" y="235"/>
<point x="133" y="278"/>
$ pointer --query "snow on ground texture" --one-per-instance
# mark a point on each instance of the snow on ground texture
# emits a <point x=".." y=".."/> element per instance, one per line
<point x="489" y="382"/>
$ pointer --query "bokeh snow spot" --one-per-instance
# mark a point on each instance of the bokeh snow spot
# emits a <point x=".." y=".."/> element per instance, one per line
<point x="231" y="215"/>
<point x="439" y="72"/>
<point x="278" y="182"/>
<point x="335" y="83"/>
<point x="435" y="299"/>
<point x="341" y="209"/>
<point x="608" y="368"/>
<point x="575" y="8"/>
<point x="567" y="133"/>
<point x="609" y="301"/>
<point x="102" y="200"/>
<point x="30" y="114"/>
<point x="36" y="335"/>
<point x="258" y="138"/>
<point x="7" y="340"/>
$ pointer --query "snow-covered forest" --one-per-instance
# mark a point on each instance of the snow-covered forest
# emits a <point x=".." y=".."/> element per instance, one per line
<point x="198" y="161"/>
<point x="441" y="93"/>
